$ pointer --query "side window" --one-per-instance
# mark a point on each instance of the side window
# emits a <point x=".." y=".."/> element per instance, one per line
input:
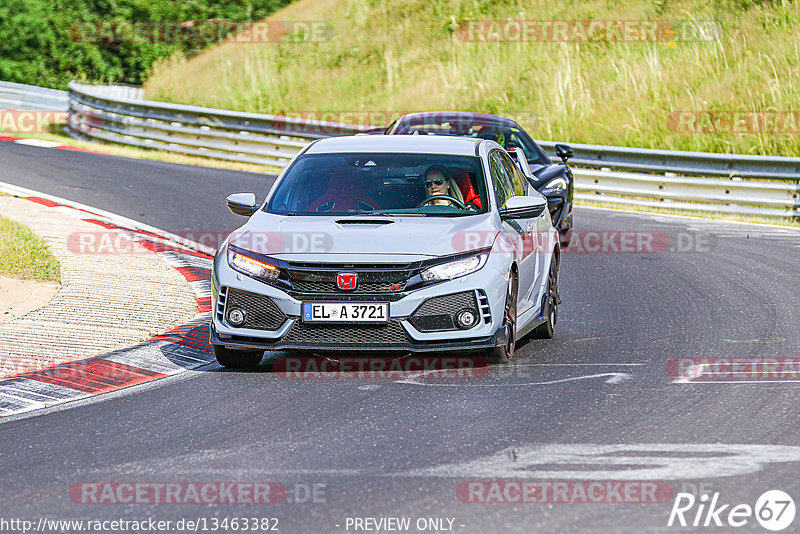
<point x="503" y="189"/>
<point x="514" y="174"/>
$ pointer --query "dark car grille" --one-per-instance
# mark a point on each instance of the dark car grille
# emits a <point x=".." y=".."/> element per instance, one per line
<point x="436" y="314"/>
<point x="314" y="286"/>
<point x="262" y="312"/>
<point x="321" y="278"/>
<point x="391" y="333"/>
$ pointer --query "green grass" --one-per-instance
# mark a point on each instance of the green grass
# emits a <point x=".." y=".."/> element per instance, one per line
<point x="24" y="255"/>
<point x="403" y="55"/>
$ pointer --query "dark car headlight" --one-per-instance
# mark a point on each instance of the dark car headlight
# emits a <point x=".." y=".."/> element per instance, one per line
<point x="554" y="187"/>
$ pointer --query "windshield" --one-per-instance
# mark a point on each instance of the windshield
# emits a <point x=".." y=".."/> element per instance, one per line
<point x="391" y="184"/>
<point x="506" y="135"/>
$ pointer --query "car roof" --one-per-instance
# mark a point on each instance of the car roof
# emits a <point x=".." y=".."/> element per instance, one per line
<point x="417" y="144"/>
<point x="474" y="117"/>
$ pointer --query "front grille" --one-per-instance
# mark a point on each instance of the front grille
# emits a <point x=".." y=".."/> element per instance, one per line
<point x="436" y="314"/>
<point x="391" y="333"/>
<point x="262" y="312"/>
<point x="324" y="286"/>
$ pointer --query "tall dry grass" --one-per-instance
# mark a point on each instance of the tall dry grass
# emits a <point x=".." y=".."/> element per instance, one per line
<point x="404" y="55"/>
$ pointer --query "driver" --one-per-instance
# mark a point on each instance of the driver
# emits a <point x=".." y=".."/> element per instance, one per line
<point x="438" y="181"/>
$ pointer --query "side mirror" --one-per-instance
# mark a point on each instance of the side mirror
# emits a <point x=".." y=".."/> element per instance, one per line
<point x="523" y="207"/>
<point x="242" y="204"/>
<point x="564" y="152"/>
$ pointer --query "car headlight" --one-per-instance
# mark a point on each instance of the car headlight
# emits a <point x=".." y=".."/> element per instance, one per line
<point x="239" y="261"/>
<point x="454" y="269"/>
<point x="554" y="187"/>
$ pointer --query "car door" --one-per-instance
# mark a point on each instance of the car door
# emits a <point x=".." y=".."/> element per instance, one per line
<point x="507" y="184"/>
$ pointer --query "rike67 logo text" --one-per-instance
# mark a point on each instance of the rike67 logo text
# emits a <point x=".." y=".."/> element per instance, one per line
<point x="774" y="510"/>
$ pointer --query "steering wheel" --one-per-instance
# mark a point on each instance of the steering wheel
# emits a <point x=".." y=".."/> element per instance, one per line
<point x="454" y="201"/>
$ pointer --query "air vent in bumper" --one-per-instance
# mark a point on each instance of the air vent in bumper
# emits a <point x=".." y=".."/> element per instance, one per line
<point x="437" y="314"/>
<point x="261" y="313"/>
<point x="344" y="335"/>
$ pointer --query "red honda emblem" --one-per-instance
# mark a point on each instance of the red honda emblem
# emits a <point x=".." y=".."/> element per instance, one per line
<point x="347" y="281"/>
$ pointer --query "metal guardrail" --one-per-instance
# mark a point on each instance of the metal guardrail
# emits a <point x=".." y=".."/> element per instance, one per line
<point x="214" y="133"/>
<point x="690" y="194"/>
<point x="758" y="185"/>
<point x="29" y="97"/>
<point x="687" y="163"/>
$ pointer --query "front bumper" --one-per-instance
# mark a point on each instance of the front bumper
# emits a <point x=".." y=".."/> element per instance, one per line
<point x="465" y="345"/>
<point x="280" y="327"/>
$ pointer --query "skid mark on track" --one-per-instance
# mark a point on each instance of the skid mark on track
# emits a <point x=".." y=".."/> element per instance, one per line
<point x="420" y="380"/>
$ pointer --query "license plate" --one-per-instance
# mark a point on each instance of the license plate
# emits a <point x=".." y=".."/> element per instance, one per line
<point x="345" y="312"/>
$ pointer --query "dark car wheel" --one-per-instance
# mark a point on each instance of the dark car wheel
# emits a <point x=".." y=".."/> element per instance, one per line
<point x="504" y="353"/>
<point x="547" y="329"/>
<point x="238" y="359"/>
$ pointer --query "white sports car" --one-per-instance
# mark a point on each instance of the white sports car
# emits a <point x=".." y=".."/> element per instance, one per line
<point x="388" y="243"/>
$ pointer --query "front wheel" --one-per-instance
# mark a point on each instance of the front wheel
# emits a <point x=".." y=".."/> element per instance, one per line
<point x="504" y="353"/>
<point x="237" y="359"/>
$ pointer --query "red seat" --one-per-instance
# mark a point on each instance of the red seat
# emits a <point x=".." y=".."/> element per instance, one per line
<point x="461" y="178"/>
<point x="347" y="193"/>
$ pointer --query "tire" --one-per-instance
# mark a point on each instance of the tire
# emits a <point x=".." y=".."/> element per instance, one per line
<point x="547" y="329"/>
<point x="238" y="359"/>
<point x="504" y="353"/>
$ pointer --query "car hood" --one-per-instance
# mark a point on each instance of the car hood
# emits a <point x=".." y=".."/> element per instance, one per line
<point x="286" y="237"/>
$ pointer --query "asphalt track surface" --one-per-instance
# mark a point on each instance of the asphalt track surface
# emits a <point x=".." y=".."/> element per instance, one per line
<point x="385" y="448"/>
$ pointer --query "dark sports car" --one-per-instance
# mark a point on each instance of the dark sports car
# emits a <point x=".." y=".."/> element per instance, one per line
<point x="552" y="180"/>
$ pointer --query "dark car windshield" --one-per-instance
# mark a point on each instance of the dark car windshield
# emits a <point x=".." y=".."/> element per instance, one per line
<point x="394" y="184"/>
<point x="504" y="131"/>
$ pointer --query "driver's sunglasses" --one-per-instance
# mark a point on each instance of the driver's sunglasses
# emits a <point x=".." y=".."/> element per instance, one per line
<point x="437" y="181"/>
